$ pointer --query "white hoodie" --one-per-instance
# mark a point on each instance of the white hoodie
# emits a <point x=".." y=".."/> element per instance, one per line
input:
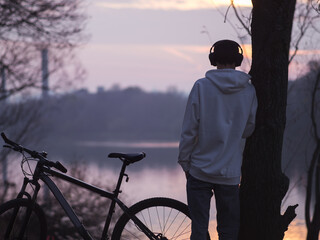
<point x="220" y="112"/>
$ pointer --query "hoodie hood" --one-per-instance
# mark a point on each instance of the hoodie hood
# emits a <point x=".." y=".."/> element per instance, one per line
<point x="228" y="80"/>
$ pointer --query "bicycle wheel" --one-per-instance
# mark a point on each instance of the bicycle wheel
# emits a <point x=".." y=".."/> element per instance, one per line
<point x="12" y="215"/>
<point x="165" y="217"/>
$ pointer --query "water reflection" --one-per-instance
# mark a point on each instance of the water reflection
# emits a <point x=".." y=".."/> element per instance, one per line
<point x="157" y="175"/>
<point x="297" y="230"/>
<point x="170" y="182"/>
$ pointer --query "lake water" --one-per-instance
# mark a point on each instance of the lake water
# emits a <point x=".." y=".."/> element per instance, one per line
<point x="156" y="175"/>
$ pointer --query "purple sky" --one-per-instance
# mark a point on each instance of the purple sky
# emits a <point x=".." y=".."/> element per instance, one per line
<point x="155" y="44"/>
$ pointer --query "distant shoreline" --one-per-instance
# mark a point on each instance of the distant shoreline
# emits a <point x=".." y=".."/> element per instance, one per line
<point x="127" y="144"/>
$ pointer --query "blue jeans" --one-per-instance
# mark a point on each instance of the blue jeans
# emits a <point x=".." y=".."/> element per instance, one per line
<point x="199" y="196"/>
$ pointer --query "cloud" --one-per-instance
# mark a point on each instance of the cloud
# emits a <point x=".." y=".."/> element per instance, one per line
<point x="185" y="52"/>
<point x="182" y="5"/>
<point x="306" y="52"/>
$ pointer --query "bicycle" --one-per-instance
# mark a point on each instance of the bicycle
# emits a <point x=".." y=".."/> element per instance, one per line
<point x="154" y="218"/>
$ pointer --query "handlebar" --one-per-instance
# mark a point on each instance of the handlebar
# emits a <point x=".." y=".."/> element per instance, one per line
<point x="41" y="156"/>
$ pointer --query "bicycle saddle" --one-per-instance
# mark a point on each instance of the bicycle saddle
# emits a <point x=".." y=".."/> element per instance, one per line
<point x="130" y="157"/>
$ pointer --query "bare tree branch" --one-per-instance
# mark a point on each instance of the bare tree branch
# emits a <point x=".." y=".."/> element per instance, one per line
<point x="306" y="15"/>
<point x="304" y="19"/>
<point x="27" y="27"/>
<point x="244" y="25"/>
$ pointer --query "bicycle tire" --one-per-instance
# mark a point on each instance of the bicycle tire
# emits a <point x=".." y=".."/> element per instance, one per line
<point x="36" y="228"/>
<point x="170" y="219"/>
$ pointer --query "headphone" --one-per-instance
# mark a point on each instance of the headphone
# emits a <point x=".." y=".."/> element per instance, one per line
<point x="238" y="56"/>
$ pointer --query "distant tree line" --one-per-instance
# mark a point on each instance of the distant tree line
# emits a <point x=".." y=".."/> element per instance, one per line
<point x="128" y="114"/>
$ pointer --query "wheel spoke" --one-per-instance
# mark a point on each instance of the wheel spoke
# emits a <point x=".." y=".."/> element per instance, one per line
<point x="165" y="217"/>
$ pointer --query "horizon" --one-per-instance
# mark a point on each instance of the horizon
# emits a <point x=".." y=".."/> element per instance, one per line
<point x="157" y="45"/>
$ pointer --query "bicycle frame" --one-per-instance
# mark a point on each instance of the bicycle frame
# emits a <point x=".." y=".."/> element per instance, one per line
<point x="43" y="173"/>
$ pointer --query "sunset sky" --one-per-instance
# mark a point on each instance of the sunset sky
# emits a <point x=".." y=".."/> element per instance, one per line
<point x="156" y="44"/>
<point x="153" y="44"/>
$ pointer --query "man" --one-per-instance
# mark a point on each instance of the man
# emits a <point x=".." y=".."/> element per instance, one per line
<point x="220" y="113"/>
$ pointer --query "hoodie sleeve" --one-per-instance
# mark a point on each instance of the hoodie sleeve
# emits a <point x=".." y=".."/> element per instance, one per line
<point x="252" y="118"/>
<point x="190" y="128"/>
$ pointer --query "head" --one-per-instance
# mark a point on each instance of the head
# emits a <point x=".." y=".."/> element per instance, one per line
<point x="226" y="54"/>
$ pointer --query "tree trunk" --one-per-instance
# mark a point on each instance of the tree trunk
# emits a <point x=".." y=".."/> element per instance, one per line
<point x="263" y="184"/>
<point x="313" y="184"/>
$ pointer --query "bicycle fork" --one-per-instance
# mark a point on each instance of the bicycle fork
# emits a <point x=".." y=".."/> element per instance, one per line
<point x="28" y="211"/>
